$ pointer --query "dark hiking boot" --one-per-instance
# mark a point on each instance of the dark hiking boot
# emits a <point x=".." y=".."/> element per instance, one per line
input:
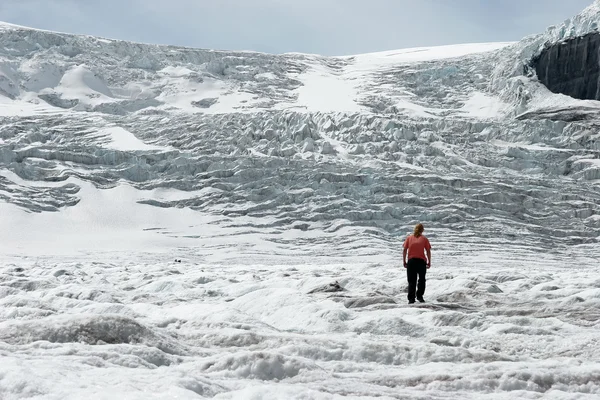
<point x="421" y="300"/>
<point x="411" y="302"/>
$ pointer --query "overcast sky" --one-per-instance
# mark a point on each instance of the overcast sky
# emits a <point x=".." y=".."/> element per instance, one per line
<point x="329" y="27"/>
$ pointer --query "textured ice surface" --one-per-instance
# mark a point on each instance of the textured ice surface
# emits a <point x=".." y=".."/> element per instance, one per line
<point x="181" y="223"/>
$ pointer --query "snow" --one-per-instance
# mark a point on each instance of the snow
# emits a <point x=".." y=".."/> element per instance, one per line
<point x="182" y="223"/>
<point x="481" y="105"/>
<point x="122" y="139"/>
<point x="527" y="146"/>
<point x="102" y="220"/>
<point x="10" y="109"/>
<point x="110" y="330"/>
<point x="416" y="110"/>
<point x="595" y="161"/>
<point x="324" y="91"/>
<point x="80" y="81"/>
<point x="423" y="54"/>
<point x="266" y="76"/>
<point x="7" y="26"/>
<point x="207" y="84"/>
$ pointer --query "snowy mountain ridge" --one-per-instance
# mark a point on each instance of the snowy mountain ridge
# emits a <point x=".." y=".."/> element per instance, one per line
<point x="87" y="74"/>
<point x="420" y="113"/>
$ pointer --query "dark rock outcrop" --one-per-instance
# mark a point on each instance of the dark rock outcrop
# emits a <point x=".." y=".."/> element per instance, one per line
<point x="571" y="67"/>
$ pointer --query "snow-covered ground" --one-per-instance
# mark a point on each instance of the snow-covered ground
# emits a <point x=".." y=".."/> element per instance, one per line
<point x="182" y="223"/>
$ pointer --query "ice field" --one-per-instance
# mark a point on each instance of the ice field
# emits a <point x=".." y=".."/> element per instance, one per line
<point x="180" y="223"/>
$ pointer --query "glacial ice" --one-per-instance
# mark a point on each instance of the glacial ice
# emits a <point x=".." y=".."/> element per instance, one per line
<point x="270" y="177"/>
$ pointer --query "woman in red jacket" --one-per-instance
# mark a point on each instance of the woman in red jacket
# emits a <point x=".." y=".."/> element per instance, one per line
<point x="415" y="246"/>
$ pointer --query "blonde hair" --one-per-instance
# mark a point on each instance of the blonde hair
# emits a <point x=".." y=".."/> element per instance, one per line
<point x="419" y="228"/>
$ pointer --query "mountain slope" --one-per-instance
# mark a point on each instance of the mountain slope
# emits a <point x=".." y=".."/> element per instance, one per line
<point x="75" y="72"/>
<point x="378" y="140"/>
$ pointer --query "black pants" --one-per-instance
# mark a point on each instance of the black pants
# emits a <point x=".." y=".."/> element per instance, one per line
<point x="416" y="267"/>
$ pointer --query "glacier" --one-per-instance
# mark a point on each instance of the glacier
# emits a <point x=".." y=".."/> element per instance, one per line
<point x="187" y="223"/>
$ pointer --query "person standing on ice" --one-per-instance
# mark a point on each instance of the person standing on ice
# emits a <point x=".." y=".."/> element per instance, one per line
<point x="416" y="264"/>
